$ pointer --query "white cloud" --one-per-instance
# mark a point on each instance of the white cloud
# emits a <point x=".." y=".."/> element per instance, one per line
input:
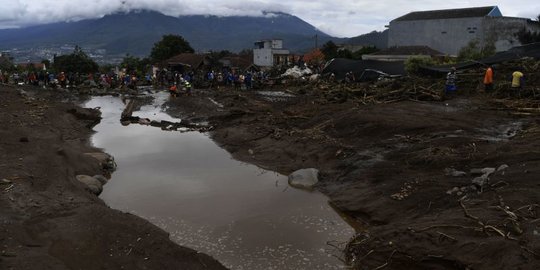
<point x="336" y="17"/>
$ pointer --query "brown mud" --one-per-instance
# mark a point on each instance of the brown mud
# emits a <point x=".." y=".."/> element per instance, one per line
<point x="48" y="220"/>
<point x="390" y="166"/>
<point x="408" y="172"/>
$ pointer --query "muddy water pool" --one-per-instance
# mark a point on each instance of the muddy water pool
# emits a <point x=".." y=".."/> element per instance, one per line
<point x="242" y="215"/>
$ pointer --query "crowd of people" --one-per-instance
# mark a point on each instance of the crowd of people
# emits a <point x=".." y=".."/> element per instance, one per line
<point x="72" y="79"/>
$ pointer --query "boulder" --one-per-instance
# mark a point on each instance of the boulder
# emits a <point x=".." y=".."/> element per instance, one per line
<point x="93" y="184"/>
<point x="304" y="178"/>
<point x="481" y="180"/>
<point x="488" y="171"/>
<point x="102" y="179"/>
<point x="106" y="160"/>
<point x="144" y="121"/>
<point x="454" y="173"/>
<point x="502" y="167"/>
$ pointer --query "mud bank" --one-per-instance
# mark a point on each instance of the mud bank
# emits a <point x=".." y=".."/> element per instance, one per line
<point x="407" y="171"/>
<point x="51" y="221"/>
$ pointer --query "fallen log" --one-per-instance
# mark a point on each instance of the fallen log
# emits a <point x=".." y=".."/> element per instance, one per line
<point x="128" y="111"/>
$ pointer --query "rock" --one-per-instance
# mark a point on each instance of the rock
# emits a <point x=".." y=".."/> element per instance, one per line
<point x="502" y="167"/>
<point x="102" y="179"/>
<point x="23" y="139"/>
<point x="92" y="183"/>
<point x="452" y="191"/>
<point x="454" y="173"/>
<point x="93" y="114"/>
<point x="144" y="121"/>
<point x="304" y="178"/>
<point x="488" y="171"/>
<point x="474" y="172"/>
<point x="106" y="160"/>
<point x="481" y="180"/>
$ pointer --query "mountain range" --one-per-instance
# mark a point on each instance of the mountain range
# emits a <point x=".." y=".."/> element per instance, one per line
<point x="136" y="32"/>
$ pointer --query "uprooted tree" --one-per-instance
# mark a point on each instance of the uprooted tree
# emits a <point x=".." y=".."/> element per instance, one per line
<point x="169" y="46"/>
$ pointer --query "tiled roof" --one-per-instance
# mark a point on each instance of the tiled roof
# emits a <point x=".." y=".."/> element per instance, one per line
<point x="447" y="14"/>
<point x="189" y="59"/>
<point x="242" y="62"/>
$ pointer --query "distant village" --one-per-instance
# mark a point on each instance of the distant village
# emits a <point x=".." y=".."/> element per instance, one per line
<point x="439" y="36"/>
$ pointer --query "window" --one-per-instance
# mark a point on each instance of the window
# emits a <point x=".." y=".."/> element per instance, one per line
<point x="443" y="32"/>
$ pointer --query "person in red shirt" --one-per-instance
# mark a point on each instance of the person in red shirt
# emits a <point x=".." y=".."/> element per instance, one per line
<point x="488" y="80"/>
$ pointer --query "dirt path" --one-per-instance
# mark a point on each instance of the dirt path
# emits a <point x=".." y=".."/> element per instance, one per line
<point x="51" y="221"/>
<point x="390" y="167"/>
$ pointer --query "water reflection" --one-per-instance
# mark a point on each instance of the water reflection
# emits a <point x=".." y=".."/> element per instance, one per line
<point x="245" y="217"/>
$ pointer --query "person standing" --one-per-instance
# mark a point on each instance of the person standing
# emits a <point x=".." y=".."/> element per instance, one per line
<point x="488" y="80"/>
<point x="451" y="81"/>
<point x="517" y="82"/>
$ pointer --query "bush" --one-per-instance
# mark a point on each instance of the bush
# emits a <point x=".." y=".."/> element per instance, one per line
<point x="473" y="51"/>
<point x="413" y="64"/>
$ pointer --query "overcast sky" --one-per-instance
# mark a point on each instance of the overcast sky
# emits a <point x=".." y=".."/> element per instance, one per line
<point x="342" y="18"/>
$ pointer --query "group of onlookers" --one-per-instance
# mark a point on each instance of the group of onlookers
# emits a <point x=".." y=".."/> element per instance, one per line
<point x="517" y="81"/>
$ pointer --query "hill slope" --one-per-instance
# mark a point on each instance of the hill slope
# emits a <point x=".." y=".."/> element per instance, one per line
<point x="136" y="32"/>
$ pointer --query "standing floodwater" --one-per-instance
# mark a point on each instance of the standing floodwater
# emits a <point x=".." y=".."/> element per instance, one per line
<point x="244" y="216"/>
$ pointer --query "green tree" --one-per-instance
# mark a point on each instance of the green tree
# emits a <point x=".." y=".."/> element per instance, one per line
<point x="6" y="63"/>
<point x="344" y="53"/>
<point x="330" y="50"/>
<point x="47" y="63"/>
<point x="135" y="64"/>
<point x="169" y="46"/>
<point x="413" y="64"/>
<point x="365" y="50"/>
<point x="78" y="61"/>
<point x="473" y="51"/>
<point x="525" y="37"/>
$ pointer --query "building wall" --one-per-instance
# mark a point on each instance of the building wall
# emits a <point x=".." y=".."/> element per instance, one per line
<point x="277" y="44"/>
<point x="263" y="57"/>
<point x="450" y="35"/>
<point x="502" y="30"/>
<point x="445" y="35"/>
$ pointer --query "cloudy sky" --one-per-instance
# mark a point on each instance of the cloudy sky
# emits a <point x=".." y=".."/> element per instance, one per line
<point x="342" y="18"/>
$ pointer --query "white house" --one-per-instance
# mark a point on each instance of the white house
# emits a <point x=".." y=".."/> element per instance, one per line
<point x="268" y="53"/>
<point x="450" y="30"/>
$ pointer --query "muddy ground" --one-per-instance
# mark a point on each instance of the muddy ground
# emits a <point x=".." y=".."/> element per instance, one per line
<point x="48" y="220"/>
<point x="402" y="170"/>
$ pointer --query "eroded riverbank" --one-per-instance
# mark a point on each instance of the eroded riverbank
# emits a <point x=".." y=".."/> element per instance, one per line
<point x="48" y="219"/>
<point x="387" y="165"/>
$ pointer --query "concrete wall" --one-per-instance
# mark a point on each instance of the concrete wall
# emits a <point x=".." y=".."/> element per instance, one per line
<point x="450" y="35"/>
<point x="263" y="57"/>
<point x="277" y="44"/>
<point x="445" y="35"/>
<point x="502" y="31"/>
